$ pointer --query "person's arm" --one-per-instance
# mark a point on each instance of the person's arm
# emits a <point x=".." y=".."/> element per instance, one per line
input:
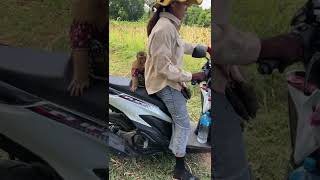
<point x="160" y="50"/>
<point x="231" y="46"/>
<point x="189" y="48"/>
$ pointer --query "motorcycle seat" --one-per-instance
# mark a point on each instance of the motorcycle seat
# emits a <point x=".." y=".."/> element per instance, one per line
<point x="47" y="75"/>
<point x="123" y="84"/>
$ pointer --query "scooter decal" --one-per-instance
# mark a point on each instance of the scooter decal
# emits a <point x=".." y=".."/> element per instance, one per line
<point x="72" y="120"/>
<point x="134" y="100"/>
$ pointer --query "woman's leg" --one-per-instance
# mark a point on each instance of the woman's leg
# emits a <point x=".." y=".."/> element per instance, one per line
<point x="229" y="155"/>
<point x="177" y="106"/>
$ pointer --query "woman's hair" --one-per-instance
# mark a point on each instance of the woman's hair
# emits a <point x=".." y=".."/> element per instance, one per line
<point x="154" y="19"/>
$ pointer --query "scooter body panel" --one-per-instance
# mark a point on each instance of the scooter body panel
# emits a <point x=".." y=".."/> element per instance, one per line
<point x="133" y="108"/>
<point x="307" y="137"/>
<point x="154" y="123"/>
<point x="72" y="152"/>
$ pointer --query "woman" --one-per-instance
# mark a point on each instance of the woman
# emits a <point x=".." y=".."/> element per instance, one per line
<point x="163" y="74"/>
<point x="89" y="23"/>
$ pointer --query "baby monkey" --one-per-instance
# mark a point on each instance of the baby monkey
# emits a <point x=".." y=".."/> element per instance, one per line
<point x="137" y="71"/>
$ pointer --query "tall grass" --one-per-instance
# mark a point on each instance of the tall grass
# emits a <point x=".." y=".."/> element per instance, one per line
<point x="36" y="24"/>
<point x="267" y="137"/>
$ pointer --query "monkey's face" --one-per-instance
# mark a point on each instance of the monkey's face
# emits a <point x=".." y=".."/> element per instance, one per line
<point x="142" y="59"/>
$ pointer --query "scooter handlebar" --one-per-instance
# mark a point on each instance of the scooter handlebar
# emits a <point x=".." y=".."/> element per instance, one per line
<point x="267" y="67"/>
<point x="194" y="82"/>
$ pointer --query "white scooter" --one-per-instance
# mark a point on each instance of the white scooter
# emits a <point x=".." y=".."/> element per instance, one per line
<point x="142" y="122"/>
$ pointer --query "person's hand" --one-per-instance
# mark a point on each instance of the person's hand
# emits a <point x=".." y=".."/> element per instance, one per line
<point x="243" y="98"/>
<point x="210" y="51"/>
<point x="236" y="74"/>
<point x="286" y="49"/>
<point x="199" y="76"/>
<point x="76" y="87"/>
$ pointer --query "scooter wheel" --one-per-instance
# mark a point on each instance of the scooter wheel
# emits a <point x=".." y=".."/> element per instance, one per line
<point x="16" y="170"/>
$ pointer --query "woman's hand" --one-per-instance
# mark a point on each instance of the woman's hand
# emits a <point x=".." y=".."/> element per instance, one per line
<point x="236" y="74"/>
<point x="286" y="49"/>
<point x="199" y="76"/>
<point x="209" y="50"/>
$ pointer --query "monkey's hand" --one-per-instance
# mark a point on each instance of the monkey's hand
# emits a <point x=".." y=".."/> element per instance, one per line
<point x="133" y="88"/>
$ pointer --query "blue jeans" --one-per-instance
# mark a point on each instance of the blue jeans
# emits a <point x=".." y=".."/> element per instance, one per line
<point x="229" y="155"/>
<point x="177" y="106"/>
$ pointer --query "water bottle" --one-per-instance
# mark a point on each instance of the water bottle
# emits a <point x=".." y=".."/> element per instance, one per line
<point x="307" y="172"/>
<point x="204" y="128"/>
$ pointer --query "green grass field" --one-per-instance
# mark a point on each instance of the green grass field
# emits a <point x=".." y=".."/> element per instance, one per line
<point x="126" y="39"/>
<point x="40" y="24"/>
<point x="267" y="137"/>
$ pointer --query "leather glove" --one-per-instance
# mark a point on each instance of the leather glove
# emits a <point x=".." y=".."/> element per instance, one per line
<point x="285" y="48"/>
<point x="243" y="99"/>
<point x="199" y="76"/>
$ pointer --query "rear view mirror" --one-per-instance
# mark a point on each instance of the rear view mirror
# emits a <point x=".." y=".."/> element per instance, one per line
<point x="199" y="52"/>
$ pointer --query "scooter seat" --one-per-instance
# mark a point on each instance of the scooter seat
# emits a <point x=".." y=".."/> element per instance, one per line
<point x="123" y="84"/>
<point x="29" y="62"/>
<point x="47" y="75"/>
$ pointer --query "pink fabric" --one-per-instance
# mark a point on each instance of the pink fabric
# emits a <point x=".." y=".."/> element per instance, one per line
<point x="135" y="72"/>
<point x="81" y="33"/>
<point x="315" y="117"/>
<point x="298" y="82"/>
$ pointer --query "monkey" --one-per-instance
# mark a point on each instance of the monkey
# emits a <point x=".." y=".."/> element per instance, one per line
<point x="89" y="23"/>
<point x="137" y="71"/>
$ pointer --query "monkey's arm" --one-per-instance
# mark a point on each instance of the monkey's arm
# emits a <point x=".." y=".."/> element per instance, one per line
<point x="134" y="77"/>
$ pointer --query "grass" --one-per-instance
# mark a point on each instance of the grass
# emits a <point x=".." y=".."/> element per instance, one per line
<point x="40" y="24"/>
<point x="126" y="39"/>
<point x="267" y="137"/>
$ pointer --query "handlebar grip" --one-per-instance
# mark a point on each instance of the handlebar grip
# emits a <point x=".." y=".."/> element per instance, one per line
<point x="267" y="67"/>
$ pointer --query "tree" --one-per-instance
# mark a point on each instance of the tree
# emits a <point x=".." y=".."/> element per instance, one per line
<point x="149" y="3"/>
<point x="197" y="16"/>
<point x="127" y="10"/>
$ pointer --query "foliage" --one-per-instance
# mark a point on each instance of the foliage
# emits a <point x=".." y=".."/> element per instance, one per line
<point x="129" y="10"/>
<point x="197" y="16"/>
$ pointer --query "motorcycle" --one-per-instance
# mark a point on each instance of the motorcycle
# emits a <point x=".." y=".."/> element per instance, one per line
<point x="43" y="129"/>
<point x="143" y="124"/>
<point x="303" y="94"/>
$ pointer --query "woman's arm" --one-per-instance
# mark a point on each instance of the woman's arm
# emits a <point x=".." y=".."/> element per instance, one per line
<point x="189" y="47"/>
<point x="231" y="46"/>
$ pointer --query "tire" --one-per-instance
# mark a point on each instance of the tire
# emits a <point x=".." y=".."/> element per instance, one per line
<point x="16" y="170"/>
<point x="121" y="121"/>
